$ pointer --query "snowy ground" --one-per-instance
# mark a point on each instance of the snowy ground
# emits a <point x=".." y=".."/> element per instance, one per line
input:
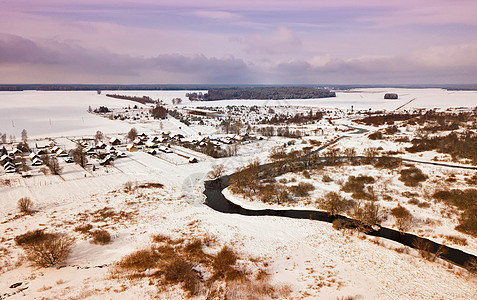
<point x="315" y="260"/>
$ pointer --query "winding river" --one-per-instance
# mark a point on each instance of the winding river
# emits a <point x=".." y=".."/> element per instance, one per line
<point x="217" y="201"/>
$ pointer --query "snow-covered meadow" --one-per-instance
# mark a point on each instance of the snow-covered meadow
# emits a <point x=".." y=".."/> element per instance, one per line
<point x="311" y="258"/>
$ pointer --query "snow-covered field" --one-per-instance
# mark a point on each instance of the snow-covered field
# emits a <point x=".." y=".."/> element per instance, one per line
<point x="313" y="259"/>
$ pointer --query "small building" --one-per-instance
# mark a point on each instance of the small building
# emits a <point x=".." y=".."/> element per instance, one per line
<point x="100" y="145"/>
<point x="54" y="149"/>
<point x="131" y="148"/>
<point x="110" y="149"/>
<point x="32" y="156"/>
<point x="138" y="142"/>
<point x="114" y="141"/>
<point x="42" y="152"/>
<point x="61" y="153"/>
<point x="152" y="151"/>
<point x="193" y="160"/>
<point x="10" y="169"/>
<point x="392" y="96"/>
<point x="151" y="144"/>
<point x="17" y="152"/>
<point x="6" y="158"/>
<point x="121" y="154"/>
<point x="107" y="160"/>
<point x="37" y="162"/>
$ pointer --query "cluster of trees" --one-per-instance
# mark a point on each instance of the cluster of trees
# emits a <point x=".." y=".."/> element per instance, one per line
<point x="298" y="118"/>
<point x="101" y="110"/>
<point x="458" y="145"/>
<point x="197" y="96"/>
<point x="52" y="164"/>
<point x="176" y="101"/>
<point x="382" y="119"/>
<point x="267" y="93"/>
<point x="159" y="112"/>
<point x="142" y="100"/>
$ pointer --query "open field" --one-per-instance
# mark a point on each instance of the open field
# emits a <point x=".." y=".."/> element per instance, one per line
<point x="152" y="203"/>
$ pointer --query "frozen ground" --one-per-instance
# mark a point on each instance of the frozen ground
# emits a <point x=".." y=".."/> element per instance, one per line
<point x="315" y="260"/>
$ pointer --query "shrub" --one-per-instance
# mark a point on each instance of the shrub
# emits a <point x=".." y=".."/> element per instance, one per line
<point x="49" y="250"/>
<point x="128" y="187"/>
<point x="368" y="215"/>
<point x="412" y="176"/>
<point x="140" y="260"/>
<point x="388" y="162"/>
<point x="101" y="237"/>
<point x="340" y="223"/>
<point x="468" y="221"/>
<point x="334" y="204"/>
<point x="25" y="205"/>
<point x="327" y="178"/>
<point x="356" y="186"/>
<point x="30" y="237"/>
<point x="302" y="189"/>
<point x="181" y="271"/>
<point x="403" y="217"/>
<point x="84" y="228"/>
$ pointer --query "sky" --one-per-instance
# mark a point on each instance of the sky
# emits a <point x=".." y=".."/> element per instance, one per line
<point x="238" y="42"/>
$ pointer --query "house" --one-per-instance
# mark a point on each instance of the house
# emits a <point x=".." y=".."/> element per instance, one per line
<point x="121" y="154"/>
<point x="8" y="165"/>
<point x="54" y="149"/>
<point x="37" y="162"/>
<point x="165" y="149"/>
<point x="138" y="142"/>
<point x="42" y="152"/>
<point x="110" y="149"/>
<point x="151" y="144"/>
<point x="114" y="141"/>
<point x="152" y="151"/>
<point x="100" y="145"/>
<point x="17" y="152"/>
<point x="10" y="169"/>
<point x="131" y="148"/>
<point x="193" y="160"/>
<point x="61" y="153"/>
<point x="6" y="158"/>
<point x="42" y="144"/>
<point x="32" y="156"/>
<point x="107" y="160"/>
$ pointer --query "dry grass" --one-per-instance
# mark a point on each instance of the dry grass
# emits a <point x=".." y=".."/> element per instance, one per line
<point x="184" y="263"/>
<point x="412" y="176"/>
<point x="456" y="240"/>
<point x="84" y="228"/>
<point x="105" y="214"/>
<point x="151" y="185"/>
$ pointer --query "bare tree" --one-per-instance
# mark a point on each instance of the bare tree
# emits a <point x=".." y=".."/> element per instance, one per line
<point x="216" y="172"/>
<point x="333" y="203"/>
<point x="80" y="156"/>
<point x="403" y="218"/>
<point x="98" y="136"/>
<point x="367" y="215"/>
<point x="25" y="205"/>
<point x="350" y="153"/>
<point x="132" y="134"/>
<point x="54" y="166"/>
<point x="24" y="135"/>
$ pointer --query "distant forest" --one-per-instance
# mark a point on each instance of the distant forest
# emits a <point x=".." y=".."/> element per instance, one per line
<point x="262" y="93"/>
<point x="142" y="100"/>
